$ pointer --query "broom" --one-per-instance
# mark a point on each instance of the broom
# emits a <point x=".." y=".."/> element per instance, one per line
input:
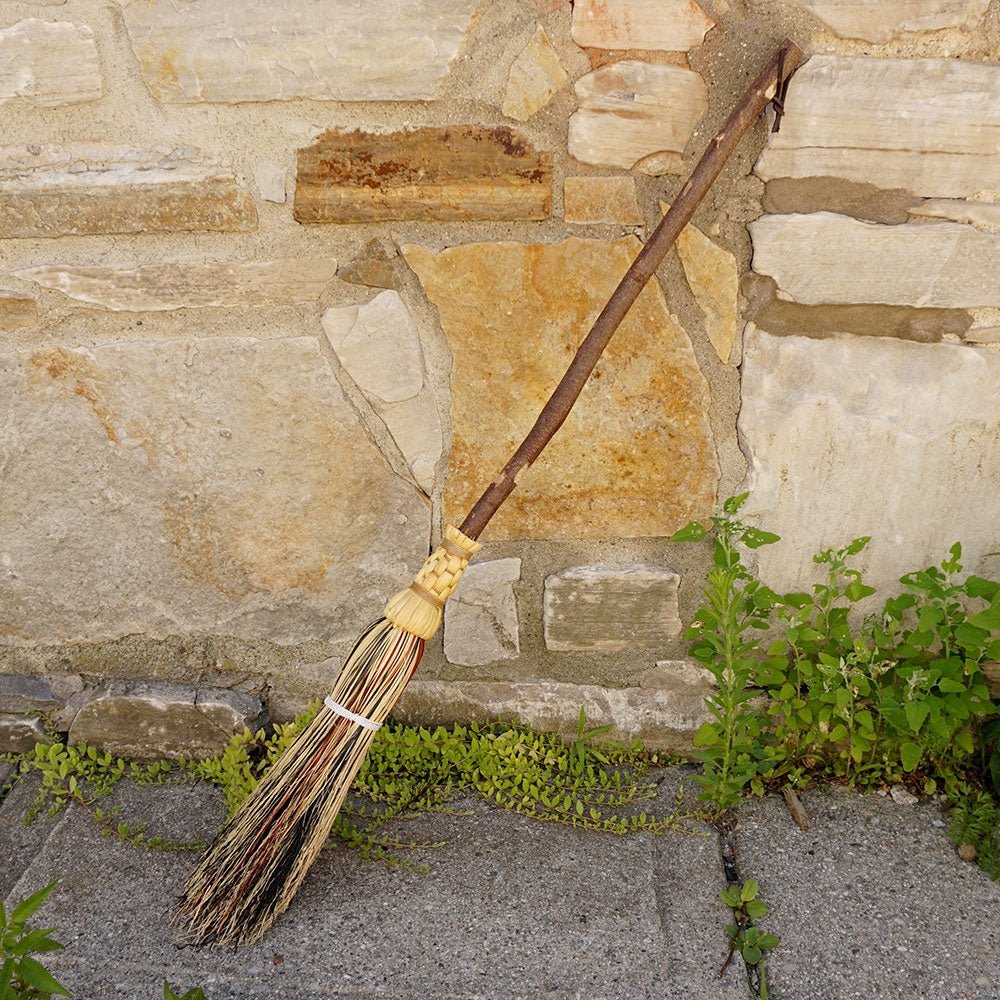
<point x="249" y="875"/>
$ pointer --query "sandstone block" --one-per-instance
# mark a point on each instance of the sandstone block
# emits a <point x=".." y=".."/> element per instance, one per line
<point x="379" y="346"/>
<point x="632" y="112"/>
<point x="219" y="486"/>
<point x="670" y="25"/>
<point x="863" y="436"/>
<point x="24" y="693"/>
<point x="713" y="277"/>
<point x="90" y="188"/>
<point x="607" y="200"/>
<point x="814" y="258"/>
<point x="664" y="717"/>
<point x="992" y="671"/>
<point x="152" y="719"/>
<point x="610" y="609"/>
<point x="635" y="457"/>
<point x="20" y="733"/>
<point x="888" y="19"/>
<point x="452" y="174"/>
<point x="480" y="619"/>
<point x="48" y="63"/>
<point x="339" y="50"/>
<point x="17" y="311"/>
<point x="925" y="125"/>
<point x="536" y="76"/>
<point x="160" y="287"/>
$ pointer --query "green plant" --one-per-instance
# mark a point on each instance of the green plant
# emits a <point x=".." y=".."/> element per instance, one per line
<point x="975" y="820"/>
<point x="21" y="976"/>
<point x="80" y="773"/>
<point x="726" y="632"/>
<point x="197" y="993"/>
<point x="746" y="940"/>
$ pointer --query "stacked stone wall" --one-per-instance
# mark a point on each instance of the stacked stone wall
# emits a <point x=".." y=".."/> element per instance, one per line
<point x="283" y="283"/>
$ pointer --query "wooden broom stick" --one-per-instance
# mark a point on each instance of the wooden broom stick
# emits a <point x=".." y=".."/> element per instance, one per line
<point x="772" y="80"/>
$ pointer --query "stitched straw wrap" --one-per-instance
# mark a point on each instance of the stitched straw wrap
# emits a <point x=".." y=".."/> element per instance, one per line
<point x="419" y="608"/>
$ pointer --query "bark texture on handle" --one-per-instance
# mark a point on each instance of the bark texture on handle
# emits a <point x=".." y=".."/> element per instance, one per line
<point x="784" y="62"/>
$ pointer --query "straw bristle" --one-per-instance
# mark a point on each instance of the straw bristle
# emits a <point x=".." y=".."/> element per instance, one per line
<point x="248" y="877"/>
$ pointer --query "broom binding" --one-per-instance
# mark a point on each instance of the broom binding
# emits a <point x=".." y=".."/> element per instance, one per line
<point x="420" y="607"/>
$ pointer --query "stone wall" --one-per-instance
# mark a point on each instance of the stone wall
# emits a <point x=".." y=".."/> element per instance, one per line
<point x="282" y="283"/>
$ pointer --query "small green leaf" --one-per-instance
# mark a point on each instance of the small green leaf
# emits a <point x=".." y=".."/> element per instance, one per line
<point x="752" y="955"/>
<point x="910" y="754"/>
<point x="27" y="907"/>
<point x="916" y="713"/>
<point x="38" y="977"/>
<point x="691" y="532"/>
<point x="749" y="890"/>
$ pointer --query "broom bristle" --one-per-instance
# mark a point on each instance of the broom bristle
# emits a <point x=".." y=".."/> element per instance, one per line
<point x="250" y="874"/>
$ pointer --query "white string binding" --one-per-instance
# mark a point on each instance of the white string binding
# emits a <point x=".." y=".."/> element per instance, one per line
<point x="348" y="714"/>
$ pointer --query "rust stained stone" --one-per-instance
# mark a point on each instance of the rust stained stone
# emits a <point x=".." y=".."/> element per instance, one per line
<point x="636" y="456"/>
<point x="449" y="174"/>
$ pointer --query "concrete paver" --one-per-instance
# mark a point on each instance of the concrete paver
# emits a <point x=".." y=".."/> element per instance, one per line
<point x="871" y="902"/>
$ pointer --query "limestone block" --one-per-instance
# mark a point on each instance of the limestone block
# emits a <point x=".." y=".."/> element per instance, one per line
<point x="480" y="619"/>
<point x="607" y="200"/>
<point x="160" y="287"/>
<point x="92" y="188"/>
<point x="452" y="174"/>
<point x="48" y="63"/>
<point x="815" y="259"/>
<point x="270" y="179"/>
<point x="888" y="19"/>
<point x="664" y="717"/>
<point x="24" y="693"/>
<point x="379" y="346"/>
<point x="610" y="609"/>
<point x="154" y="719"/>
<point x="20" y="733"/>
<point x="713" y="277"/>
<point x="981" y="215"/>
<point x="17" y="311"/>
<point x="670" y="25"/>
<point x="924" y="125"/>
<point x="631" y="112"/>
<point x="636" y="455"/>
<point x="218" y="486"/>
<point x="260" y="50"/>
<point x="535" y="78"/>
<point x="870" y="436"/>
<point x="983" y="335"/>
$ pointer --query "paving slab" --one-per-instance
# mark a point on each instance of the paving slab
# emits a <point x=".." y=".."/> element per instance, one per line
<point x="510" y="908"/>
<point x="872" y="901"/>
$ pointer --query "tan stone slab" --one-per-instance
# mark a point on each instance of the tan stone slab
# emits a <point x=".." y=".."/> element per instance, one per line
<point x="17" y="311"/>
<point x="888" y="19"/>
<point x="450" y="174"/>
<point x="481" y="623"/>
<point x="280" y="50"/>
<point x="983" y="335"/>
<point x="379" y="346"/>
<point x="670" y="25"/>
<point x="815" y="258"/>
<point x="664" y="717"/>
<point x="601" y="200"/>
<point x="92" y="188"/>
<point x="926" y="125"/>
<point x="161" y="287"/>
<point x="49" y="63"/>
<point x="536" y="76"/>
<point x="220" y="486"/>
<point x="610" y="609"/>
<point x="982" y="215"/>
<point x="870" y="436"/>
<point x="713" y="277"/>
<point x="635" y="457"/>
<point x="632" y="111"/>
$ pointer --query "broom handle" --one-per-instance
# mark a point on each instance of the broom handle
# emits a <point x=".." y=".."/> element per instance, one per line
<point x="785" y="61"/>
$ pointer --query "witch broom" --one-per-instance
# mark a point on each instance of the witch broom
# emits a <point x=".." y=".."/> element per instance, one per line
<point x="250" y="874"/>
